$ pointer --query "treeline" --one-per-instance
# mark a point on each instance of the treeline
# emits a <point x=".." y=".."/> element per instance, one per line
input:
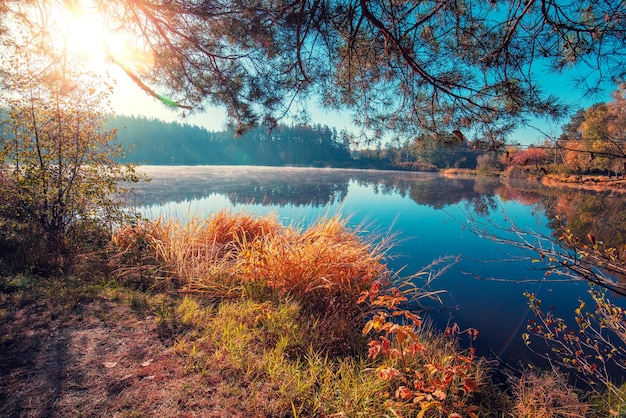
<point x="425" y="153"/>
<point x="155" y="142"/>
<point x="152" y="141"/>
<point x="592" y="142"/>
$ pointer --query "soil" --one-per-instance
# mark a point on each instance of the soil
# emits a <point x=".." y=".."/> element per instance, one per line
<point x="94" y="358"/>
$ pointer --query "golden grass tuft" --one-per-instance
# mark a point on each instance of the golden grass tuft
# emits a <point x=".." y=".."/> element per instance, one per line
<point x="325" y="258"/>
<point x="197" y="254"/>
<point x="220" y="255"/>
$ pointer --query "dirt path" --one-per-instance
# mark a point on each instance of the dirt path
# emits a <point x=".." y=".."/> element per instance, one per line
<point x="99" y="359"/>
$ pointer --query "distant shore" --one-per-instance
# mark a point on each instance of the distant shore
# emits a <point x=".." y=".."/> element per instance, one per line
<point x="596" y="183"/>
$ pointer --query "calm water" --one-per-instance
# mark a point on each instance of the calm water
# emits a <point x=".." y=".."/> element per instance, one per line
<point x="432" y="216"/>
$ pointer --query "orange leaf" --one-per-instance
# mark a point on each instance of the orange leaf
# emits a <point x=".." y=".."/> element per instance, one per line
<point x="404" y="393"/>
<point x="363" y="297"/>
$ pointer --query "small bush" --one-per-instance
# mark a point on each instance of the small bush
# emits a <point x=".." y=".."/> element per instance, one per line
<point x="486" y="163"/>
<point x="545" y="394"/>
<point x="427" y="372"/>
<point x="559" y="169"/>
<point x="21" y="248"/>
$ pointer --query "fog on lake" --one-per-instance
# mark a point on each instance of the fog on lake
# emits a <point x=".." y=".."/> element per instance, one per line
<point x="431" y="216"/>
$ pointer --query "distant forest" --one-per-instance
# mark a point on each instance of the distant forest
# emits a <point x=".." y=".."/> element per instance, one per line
<point x="152" y="141"/>
<point x="155" y="142"/>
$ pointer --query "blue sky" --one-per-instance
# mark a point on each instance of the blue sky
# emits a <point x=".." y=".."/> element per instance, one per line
<point x="563" y="86"/>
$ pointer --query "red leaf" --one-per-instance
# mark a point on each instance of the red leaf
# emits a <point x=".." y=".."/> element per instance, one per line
<point x="470" y="386"/>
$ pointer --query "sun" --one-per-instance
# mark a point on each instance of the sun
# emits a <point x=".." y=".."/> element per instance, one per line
<point x="86" y="37"/>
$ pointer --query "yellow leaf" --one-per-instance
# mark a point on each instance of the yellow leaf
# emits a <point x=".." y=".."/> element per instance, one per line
<point x="379" y="321"/>
<point x="431" y="368"/>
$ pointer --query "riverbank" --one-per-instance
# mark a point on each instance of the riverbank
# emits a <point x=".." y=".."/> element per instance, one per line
<point x="595" y="183"/>
<point x="581" y="182"/>
<point x="240" y="316"/>
<point x="72" y="347"/>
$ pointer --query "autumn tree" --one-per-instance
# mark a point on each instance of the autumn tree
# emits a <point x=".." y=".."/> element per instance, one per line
<point x="570" y="130"/>
<point x="617" y="114"/>
<point x="617" y="128"/>
<point x="60" y="178"/>
<point x="530" y="160"/>
<point x="401" y="66"/>
<point x="599" y="143"/>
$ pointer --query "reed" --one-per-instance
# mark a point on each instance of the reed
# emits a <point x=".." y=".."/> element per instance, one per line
<point x="323" y="261"/>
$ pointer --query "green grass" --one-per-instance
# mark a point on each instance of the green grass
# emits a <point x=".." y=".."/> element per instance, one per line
<point x="264" y="353"/>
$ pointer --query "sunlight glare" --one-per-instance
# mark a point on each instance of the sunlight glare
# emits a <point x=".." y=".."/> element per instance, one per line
<point x="86" y="36"/>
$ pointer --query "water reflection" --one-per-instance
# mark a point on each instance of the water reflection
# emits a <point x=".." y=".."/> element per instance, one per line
<point x="306" y="187"/>
<point x="584" y="213"/>
<point x="244" y="185"/>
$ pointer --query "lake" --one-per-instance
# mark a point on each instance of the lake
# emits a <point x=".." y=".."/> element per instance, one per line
<point x="431" y="215"/>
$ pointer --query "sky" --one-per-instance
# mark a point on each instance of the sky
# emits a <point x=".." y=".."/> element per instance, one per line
<point x="129" y="99"/>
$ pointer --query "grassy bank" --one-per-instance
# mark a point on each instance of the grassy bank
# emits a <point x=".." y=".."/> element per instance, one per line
<point x="242" y="316"/>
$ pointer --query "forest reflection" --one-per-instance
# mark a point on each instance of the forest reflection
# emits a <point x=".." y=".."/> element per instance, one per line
<point x="602" y="215"/>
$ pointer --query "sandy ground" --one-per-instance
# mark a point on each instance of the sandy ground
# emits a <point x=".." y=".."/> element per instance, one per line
<point x="100" y="359"/>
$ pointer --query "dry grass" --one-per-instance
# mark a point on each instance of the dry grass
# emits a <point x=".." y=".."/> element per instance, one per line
<point x="230" y="250"/>
<point x="587" y="182"/>
<point x="323" y="259"/>
<point x="453" y="172"/>
<point x="199" y="254"/>
<point x="546" y="394"/>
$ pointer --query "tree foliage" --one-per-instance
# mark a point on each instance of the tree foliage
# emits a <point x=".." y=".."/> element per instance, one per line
<point x="599" y="144"/>
<point x="530" y="160"/>
<point x="59" y="173"/>
<point x="402" y="66"/>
